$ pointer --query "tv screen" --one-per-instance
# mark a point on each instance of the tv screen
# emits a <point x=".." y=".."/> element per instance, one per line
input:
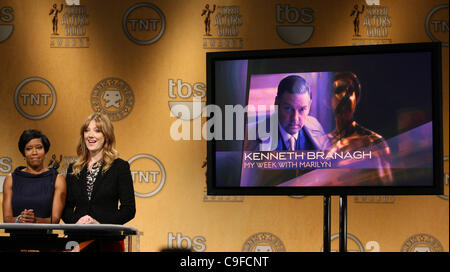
<point x="325" y="121"/>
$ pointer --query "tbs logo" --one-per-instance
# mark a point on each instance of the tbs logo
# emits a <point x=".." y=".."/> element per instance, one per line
<point x="183" y="90"/>
<point x="6" y="16"/>
<point x="293" y="33"/>
<point x="5" y="168"/>
<point x="185" y="242"/>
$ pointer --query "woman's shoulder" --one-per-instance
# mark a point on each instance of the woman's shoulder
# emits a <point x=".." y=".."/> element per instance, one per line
<point x="120" y="162"/>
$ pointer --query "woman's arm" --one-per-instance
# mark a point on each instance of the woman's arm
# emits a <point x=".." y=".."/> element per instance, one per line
<point x="127" y="208"/>
<point x="7" y="201"/>
<point x="68" y="214"/>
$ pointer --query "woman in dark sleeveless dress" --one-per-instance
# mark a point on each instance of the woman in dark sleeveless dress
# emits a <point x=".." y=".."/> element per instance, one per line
<point x="33" y="193"/>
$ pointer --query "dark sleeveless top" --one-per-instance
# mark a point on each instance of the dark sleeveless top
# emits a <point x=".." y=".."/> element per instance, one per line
<point x="31" y="191"/>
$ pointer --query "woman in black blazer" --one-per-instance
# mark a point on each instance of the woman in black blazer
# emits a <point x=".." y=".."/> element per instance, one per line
<point x="98" y="181"/>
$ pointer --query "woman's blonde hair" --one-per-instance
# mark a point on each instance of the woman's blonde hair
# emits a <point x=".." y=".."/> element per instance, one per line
<point x="109" y="152"/>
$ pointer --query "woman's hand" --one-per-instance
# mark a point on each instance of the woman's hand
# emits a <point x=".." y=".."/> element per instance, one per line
<point x="87" y="220"/>
<point x="27" y="216"/>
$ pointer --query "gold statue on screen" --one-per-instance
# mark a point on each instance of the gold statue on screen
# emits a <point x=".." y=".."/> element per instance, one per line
<point x="349" y="136"/>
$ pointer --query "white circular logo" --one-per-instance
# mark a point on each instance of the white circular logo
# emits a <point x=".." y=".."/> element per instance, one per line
<point x="113" y="97"/>
<point x="148" y="175"/>
<point x="35" y="98"/>
<point x="422" y="243"/>
<point x="263" y="242"/>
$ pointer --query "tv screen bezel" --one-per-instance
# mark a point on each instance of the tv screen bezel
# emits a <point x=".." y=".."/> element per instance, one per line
<point x="433" y="47"/>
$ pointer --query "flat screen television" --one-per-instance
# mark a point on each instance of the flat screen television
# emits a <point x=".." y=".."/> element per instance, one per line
<point x="351" y="120"/>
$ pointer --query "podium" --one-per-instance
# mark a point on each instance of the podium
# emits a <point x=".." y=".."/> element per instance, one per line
<point x="59" y="237"/>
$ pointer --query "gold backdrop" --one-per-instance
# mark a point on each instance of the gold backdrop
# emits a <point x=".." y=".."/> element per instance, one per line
<point x="158" y="60"/>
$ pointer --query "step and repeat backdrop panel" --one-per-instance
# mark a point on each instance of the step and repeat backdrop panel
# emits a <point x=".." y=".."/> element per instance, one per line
<point x="136" y="61"/>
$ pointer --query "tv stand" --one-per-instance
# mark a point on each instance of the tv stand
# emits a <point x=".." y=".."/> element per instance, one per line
<point x="342" y="223"/>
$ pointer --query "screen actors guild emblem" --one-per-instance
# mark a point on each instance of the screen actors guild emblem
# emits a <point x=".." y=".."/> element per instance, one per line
<point x="227" y="20"/>
<point x="356" y="12"/>
<point x="114" y="97"/>
<point x="55" y="11"/>
<point x="371" y="24"/>
<point x="207" y="13"/>
<point x="263" y="242"/>
<point x="422" y="243"/>
<point x="74" y="20"/>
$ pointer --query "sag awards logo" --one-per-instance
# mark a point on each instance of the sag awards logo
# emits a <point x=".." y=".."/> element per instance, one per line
<point x="263" y="242"/>
<point x="35" y="98"/>
<point x="422" y="243"/>
<point x="148" y="175"/>
<point x="6" y="28"/>
<point x="220" y="198"/>
<point x="436" y="24"/>
<point x="371" y="23"/>
<point x="113" y="97"/>
<point x="69" y="23"/>
<point x="144" y="23"/>
<point x="374" y="199"/>
<point x="226" y="20"/>
<point x="293" y="24"/>
<point x="5" y="169"/>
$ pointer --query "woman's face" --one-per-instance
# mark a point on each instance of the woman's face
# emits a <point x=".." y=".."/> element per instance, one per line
<point x="35" y="153"/>
<point x="93" y="138"/>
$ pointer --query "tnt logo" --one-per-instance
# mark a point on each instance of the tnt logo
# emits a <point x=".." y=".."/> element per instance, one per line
<point x="143" y="23"/>
<point x="436" y="24"/>
<point x="148" y="175"/>
<point x="185" y="242"/>
<point x="35" y="98"/>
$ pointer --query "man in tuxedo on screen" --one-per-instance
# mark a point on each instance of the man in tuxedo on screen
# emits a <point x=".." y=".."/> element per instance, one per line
<point x="297" y="130"/>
